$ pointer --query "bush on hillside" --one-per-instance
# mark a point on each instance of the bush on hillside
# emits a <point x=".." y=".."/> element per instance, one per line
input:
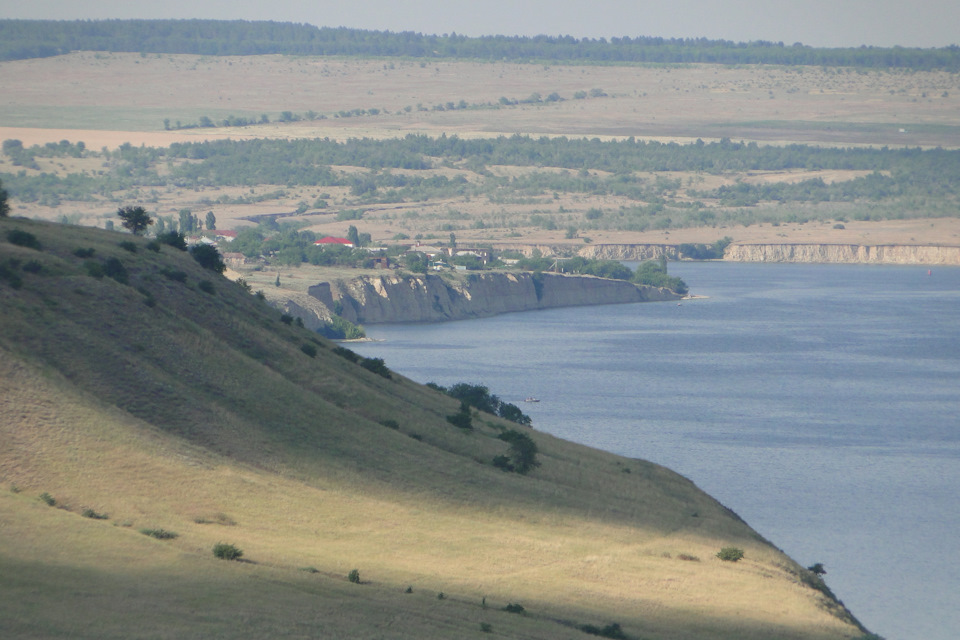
<point x="377" y="366"/>
<point x="730" y="554"/>
<point x="159" y="534"/>
<point x="113" y="268"/>
<point x="23" y="239"/>
<point x="90" y="513"/>
<point x="174" y="239"/>
<point x="206" y="286"/>
<point x="48" y="499"/>
<point x="354" y="576"/>
<point x="612" y="630"/>
<point x="208" y="257"/>
<point x="226" y="551"/>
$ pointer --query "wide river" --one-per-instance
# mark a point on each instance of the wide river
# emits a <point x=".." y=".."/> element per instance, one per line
<point x="819" y="402"/>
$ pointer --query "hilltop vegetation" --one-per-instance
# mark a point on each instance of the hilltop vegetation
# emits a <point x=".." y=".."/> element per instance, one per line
<point x="654" y="185"/>
<point x="148" y="393"/>
<point x="22" y="38"/>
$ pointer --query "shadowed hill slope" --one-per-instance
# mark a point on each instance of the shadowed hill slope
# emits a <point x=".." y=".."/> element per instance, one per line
<point x="138" y="386"/>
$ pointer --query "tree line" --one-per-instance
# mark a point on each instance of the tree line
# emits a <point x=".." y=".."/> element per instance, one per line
<point x="20" y="39"/>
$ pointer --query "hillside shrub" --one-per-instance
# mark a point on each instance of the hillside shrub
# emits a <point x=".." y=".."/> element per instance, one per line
<point x="226" y="551"/>
<point x="48" y="499"/>
<point x="113" y="268"/>
<point x="514" y="608"/>
<point x="208" y="257"/>
<point x="94" y="269"/>
<point x="8" y="273"/>
<point x="84" y="253"/>
<point x="343" y="352"/>
<point x="377" y="366"/>
<point x="23" y="239"/>
<point x="126" y="245"/>
<point x="354" y="576"/>
<point x="206" y="286"/>
<point x="286" y="318"/>
<point x="90" y="513"/>
<point x="154" y="246"/>
<point x="391" y="424"/>
<point x="309" y="349"/>
<point x="171" y="274"/>
<point x="688" y="557"/>
<point x="612" y="630"/>
<point x="730" y="554"/>
<point x="523" y="452"/>
<point x="160" y="534"/>
<point x="174" y="239"/>
<point x="461" y="419"/>
<point x="32" y="266"/>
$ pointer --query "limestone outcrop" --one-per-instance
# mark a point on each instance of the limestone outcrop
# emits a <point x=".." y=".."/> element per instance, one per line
<point x="433" y="298"/>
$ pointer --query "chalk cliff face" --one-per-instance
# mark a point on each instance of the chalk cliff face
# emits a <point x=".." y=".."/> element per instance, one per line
<point x="844" y="253"/>
<point x="431" y="298"/>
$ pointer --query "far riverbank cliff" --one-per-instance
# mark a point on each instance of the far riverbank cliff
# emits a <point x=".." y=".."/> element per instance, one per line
<point x="372" y="299"/>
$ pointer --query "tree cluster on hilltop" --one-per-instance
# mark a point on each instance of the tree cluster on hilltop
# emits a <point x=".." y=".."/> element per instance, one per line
<point x="21" y="39"/>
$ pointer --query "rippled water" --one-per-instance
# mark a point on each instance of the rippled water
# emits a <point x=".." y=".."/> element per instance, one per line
<point x="819" y="402"/>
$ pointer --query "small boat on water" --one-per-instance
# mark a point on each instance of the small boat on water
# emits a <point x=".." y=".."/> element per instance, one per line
<point x="531" y="399"/>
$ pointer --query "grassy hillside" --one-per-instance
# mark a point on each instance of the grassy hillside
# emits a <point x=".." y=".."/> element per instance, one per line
<point x="173" y="399"/>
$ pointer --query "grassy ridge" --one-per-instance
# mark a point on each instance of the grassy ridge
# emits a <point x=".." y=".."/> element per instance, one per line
<point x="163" y="405"/>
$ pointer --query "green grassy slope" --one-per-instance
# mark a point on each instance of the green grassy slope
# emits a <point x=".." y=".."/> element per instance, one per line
<point x="162" y="404"/>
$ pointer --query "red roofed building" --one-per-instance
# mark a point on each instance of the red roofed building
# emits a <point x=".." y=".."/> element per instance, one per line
<point x="331" y="240"/>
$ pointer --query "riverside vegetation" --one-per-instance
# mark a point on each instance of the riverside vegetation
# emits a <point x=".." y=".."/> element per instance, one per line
<point x="173" y="406"/>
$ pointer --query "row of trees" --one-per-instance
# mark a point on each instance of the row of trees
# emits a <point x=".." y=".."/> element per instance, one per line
<point x="38" y="38"/>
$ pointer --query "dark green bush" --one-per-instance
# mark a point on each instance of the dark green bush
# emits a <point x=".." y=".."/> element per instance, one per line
<point x="378" y="366"/>
<point x="612" y="630"/>
<point x="84" y="253"/>
<point x="90" y="513"/>
<point x="48" y="499"/>
<point x="390" y="424"/>
<point x="128" y="246"/>
<point x="208" y="257"/>
<point x="12" y="277"/>
<point x="523" y="451"/>
<point x="23" y="239"/>
<point x="33" y="266"/>
<point x="154" y="246"/>
<point x="343" y="352"/>
<point x="206" y="286"/>
<point x="354" y="576"/>
<point x="514" y="608"/>
<point x="94" y="269"/>
<point x="174" y="239"/>
<point x="730" y="554"/>
<point x="178" y="276"/>
<point x="309" y="349"/>
<point x="115" y="269"/>
<point x="286" y="318"/>
<point x="159" y="534"/>
<point x="226" y="551"/>
<point x="461" y="419"/>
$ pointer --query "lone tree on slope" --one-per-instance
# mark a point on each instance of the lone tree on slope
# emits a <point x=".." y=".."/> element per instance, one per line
<point x="135" y="219"/>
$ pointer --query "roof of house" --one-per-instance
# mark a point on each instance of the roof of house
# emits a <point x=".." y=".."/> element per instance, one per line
<point x="332" y="240"/>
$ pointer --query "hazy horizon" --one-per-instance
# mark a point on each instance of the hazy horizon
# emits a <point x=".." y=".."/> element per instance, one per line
<point x="818" y="23"/>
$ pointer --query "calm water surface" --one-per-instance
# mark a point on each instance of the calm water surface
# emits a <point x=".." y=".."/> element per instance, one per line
<point x="819" y="402"/>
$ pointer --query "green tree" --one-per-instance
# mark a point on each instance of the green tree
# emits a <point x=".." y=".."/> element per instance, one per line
<point x="353" y="235"/>
<point x="211" y="221"/>
<point x="135" y="219"/>
<point x="208" y="257"/>
<point x="4" y="205"/>
<point x="186" y="221"/>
